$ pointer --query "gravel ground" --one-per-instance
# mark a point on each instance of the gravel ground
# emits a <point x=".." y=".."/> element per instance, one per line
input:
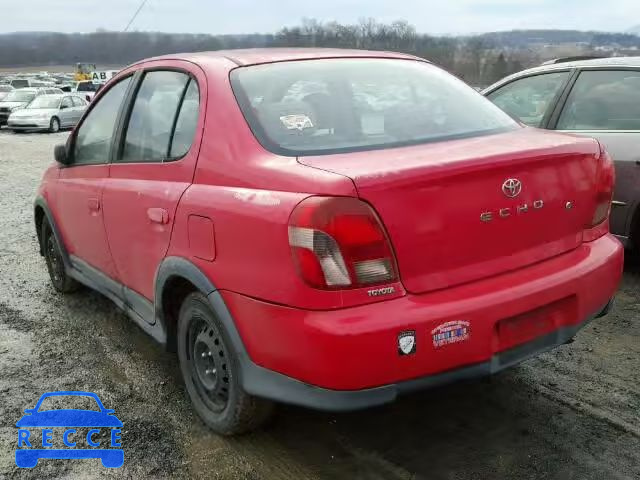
<point x="570" y="414"/>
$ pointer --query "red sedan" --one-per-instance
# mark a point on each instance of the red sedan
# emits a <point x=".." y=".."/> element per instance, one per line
<point x="327" y="228"/>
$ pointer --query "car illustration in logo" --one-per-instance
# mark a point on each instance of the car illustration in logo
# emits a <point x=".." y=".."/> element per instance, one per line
<point x="32" y="446"/>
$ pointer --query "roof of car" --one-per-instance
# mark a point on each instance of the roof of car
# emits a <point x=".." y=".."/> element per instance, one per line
<point x="595" y="63"/>
<point x="607" y="62"/>
<point x="253" y="56"/>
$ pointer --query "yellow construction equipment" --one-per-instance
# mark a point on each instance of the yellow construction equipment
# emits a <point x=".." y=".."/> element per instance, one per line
<point x="84" y="71"/>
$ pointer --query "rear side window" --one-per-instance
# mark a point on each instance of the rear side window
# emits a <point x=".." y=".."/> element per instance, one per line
<point x="93" y="141"/>
<point x="186" y="123"/>
<point x="603" y="100"/>
<point x="149" y="130"/>
<point x="529" y="99"/>
<point x="335" y="105"/>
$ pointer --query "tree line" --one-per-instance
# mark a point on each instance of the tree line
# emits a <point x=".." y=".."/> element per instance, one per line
<point x="479" y="59"/>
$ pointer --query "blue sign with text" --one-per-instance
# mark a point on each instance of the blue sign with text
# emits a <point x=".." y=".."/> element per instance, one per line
<point x="36" y="444"/>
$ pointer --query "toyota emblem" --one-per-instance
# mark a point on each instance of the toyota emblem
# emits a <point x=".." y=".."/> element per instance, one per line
<point x="512" y="187"/>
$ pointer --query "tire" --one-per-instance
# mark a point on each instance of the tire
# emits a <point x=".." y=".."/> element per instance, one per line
<point x="210" y="371"/>
<point x="62" y="282"/>
<point x="54" y="125"/>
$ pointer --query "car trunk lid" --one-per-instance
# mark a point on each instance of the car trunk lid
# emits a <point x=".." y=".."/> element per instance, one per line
<point x="448" y="216"/>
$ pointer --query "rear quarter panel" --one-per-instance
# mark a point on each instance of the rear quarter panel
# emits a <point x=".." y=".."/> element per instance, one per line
<point x="249" y="193"/>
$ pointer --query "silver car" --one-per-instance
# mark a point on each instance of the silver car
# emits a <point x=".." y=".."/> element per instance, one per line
<point x="597" y="98"/>
<point x="49" y="112"/>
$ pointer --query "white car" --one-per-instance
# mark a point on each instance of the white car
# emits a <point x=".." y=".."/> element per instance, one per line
<point x="87" y="89"/>
<point x="49" y="112"/>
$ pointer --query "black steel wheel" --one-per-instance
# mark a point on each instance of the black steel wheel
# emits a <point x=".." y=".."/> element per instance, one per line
<point x="208" y="360"/>
<point x="55" y="263"/>
<point x="210" y="371"/>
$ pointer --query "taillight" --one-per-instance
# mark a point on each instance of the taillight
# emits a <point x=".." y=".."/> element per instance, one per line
<point x="604" y="188"/>
<point x="339" y="242"/>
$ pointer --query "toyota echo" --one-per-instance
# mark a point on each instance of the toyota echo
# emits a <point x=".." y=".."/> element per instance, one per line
<point x="327" y="228"/>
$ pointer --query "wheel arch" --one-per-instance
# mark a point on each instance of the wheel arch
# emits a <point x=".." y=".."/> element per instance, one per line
<point x="40" y="212"/>
<point x="175" y="279"/>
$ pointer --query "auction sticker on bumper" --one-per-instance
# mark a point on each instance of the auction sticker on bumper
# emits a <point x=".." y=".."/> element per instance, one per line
<point x="450" y="332"/>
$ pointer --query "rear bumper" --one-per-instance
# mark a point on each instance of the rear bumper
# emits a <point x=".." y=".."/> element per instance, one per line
<point x="349" y="359"/>
<point x="269" y="384"/>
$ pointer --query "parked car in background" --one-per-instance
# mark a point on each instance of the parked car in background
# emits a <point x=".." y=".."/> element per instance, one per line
<point x="327" y="228"/>
<point x="598" y="98"/>
<point x="87" y="88"/>
<point x="49" y="112"/>
<point x="5" y="89"/>
<point x="20" y="98"/>
<point x="30" y="82"/>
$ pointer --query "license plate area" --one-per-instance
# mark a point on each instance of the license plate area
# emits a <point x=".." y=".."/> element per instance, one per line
<point x="528" y="326"/>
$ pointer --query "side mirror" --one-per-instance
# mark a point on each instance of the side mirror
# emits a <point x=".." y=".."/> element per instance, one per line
<point x="60" y="154"/>
<point x="62" y="107"/>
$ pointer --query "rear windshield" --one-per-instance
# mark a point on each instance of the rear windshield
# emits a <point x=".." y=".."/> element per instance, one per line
<point x="87" y="87"/>
<point x="19" y="96"/>
<point x="19" y="83"/>
<point x="335" y="105"/>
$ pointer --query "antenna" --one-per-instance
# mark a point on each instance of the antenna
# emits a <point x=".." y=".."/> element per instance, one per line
<point x="135" y="15"/>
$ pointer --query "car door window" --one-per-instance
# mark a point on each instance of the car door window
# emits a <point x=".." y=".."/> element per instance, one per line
<point x="186" y="123"/>
<point x="66" y="103"/>
<point x="152" y="118"/>
<point x="93" y="141"/>
<point x="603" y="100"/>
<point x="530" y="98"/>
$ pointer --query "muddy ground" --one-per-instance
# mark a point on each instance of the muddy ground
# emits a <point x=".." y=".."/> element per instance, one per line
<point x="570" y="414"/>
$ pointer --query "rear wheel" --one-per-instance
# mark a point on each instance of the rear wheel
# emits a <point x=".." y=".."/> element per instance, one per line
<point x="210" y="371"/>
<point x="54" y="125"/>
<point x="55" y="263"/>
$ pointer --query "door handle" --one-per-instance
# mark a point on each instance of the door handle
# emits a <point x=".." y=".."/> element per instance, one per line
<point x="158" y="215"/>
<point x="94" y="204"/>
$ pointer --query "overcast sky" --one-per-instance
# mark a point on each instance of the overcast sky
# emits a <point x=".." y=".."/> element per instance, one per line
<point x="247" y="16"/>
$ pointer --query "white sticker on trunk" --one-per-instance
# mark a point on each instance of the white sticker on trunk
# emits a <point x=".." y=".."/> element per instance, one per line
<point x="450" y="332"/>
<point x="296" y="122"/>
